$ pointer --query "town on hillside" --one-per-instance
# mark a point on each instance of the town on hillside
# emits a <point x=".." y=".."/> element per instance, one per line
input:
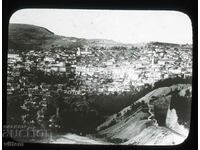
<point x="95" y="69"/>
<point x="46" y="83"/>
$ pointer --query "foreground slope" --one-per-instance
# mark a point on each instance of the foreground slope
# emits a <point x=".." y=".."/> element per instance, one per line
<point x="155" y="119"/>
<point x="73" y="139"/>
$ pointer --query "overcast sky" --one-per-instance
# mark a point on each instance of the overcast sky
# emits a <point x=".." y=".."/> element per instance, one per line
<point x="122" y="26"/>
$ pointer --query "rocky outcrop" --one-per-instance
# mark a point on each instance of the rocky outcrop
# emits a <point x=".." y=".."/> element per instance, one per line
<point x="154" y="119"/>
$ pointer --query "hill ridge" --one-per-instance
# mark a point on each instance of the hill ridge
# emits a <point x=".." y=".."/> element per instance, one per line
<point x="28" y="37"/>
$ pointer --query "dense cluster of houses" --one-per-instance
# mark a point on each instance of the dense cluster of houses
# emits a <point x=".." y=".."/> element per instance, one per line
<point x="50" y="63"/>
<point x="153" y="63"/>
<point x="98" y="72"/>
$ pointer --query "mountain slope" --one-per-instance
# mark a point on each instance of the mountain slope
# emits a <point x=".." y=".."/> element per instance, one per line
<point x="28" y="37"/>
<point x="25" y="37"/>
<point x="153" y="119"/>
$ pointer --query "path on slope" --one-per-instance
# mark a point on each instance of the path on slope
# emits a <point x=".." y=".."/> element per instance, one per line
<point x="173" y="131"/>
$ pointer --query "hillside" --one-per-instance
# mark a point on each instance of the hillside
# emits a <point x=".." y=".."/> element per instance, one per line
<point x="164" y="44"/>
<point x="73" y="139"/>
<point x="106" y="43"/>
<point x="160" y="117"/>
<point x="28" y="37"/>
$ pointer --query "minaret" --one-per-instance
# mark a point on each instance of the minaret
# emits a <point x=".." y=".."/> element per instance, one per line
<point x="153" y="66"/>
<point x="153" y="59"/>
<point x="78" y="51"/>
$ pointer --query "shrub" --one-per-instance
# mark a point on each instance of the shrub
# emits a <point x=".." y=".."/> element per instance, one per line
<point x="118" y="114"/>
<point x="117" y="140"/>
<point x="112" y="122"/>
<point x="172" y="81"/>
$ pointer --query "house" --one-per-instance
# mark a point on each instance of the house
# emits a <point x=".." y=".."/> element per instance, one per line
<point x="49" y="59"/>
<point x="14" y="58"/>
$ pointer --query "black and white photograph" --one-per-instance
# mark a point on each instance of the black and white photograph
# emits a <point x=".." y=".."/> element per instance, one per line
<point x="99" y="77"/>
